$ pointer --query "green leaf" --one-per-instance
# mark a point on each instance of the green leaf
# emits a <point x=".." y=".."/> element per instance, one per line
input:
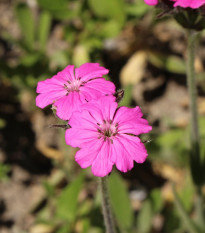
<point x="156" y="200"/>
<point x="50" y="189"/>
<point x="175" y="64"/>
<point x="60" y="59"/>
<point x="52" y="5"/>
<point x="44" y="29"/>
<point x="26" y="23"/>
<point x="171" y="138"/>
<point x="112" y="9"/>
<point x="30" y="59"/>
<point x="4" y="169"/>
<point x="59" y="9"/>
<point x="183" y="214"/>
<point x="68" y="200"/>
<point x="120" y="201"/>
<point x="85" y="225"/>
<point x="172" y="147"/>
<point x="172" y="64"/>
<point x="186" y="195"/>
<point x="137" y="9"/>
<point x="64" y="229"/>
<point x="109" y="29"/>
<point x="2" y="123"/>
<point x="201" y="125"/>
<point x="144" y="220"/>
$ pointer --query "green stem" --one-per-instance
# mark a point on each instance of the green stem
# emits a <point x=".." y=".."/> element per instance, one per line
<point x="107" y="213"/>
<point x="195" y="148"/>
<point x="191" y="80"/>
<point x="200" y="209"/>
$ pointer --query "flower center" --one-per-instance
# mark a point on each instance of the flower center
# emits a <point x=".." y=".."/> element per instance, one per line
<point x="73" y="85"/>
<point x="107" y="129"/>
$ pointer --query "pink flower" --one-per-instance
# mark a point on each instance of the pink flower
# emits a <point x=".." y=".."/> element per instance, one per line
<point x="182" y="3"/>
<point x="106" y="135"/>
<point x="151" y="2"/>
<point x="71" y="88"/>
<point x="190" y="3"/>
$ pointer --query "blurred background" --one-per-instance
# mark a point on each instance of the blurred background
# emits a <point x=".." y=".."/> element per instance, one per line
<point x="42" y="188"/>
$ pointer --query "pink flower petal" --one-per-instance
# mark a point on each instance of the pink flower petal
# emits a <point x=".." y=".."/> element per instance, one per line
<point x="48" y="85"/>
<point x="90" y="71"/>
<point x="189" y="3"/>
<point x="94" y="111"/>
<point x="45" y="99"/>
<point x="151" y="2"/>
<point x="68" y="104"/>
<point x="135" y="148"/>
<point x="102" y="109"/>
<point x="120" y="155"/>
<point x="129" y="121"/>
<point x="67" y="74"/>
<point x="80" y="138"/>
<point x="83" y="130"/>
<point x="102" y="164"/>
<point x="96" y="88"/>
<point x="102" y="86"/>
<point x="108" y="107"/>
<point x="83" y="120"/>
<point x="86" y="156"/>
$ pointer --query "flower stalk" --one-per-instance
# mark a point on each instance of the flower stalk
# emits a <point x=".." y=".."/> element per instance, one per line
<point x="191" y="80"/>
<point x="107" y="212"/>
<point x="195" y="139"/>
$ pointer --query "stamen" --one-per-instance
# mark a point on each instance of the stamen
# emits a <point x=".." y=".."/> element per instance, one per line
<point x="107" y="129"/>
<point x="65" y="86"/>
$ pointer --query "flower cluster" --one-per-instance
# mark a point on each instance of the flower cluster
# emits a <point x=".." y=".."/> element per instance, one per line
<point x="182" y="3"/>
<point x="106" y="134"/>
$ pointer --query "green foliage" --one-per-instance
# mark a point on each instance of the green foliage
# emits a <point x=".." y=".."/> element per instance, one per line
<point x="186" y="195"/>
<point x="120" y="202"/>
<point x="172" y="222"/>
<point x="137" y="9"/>
<point x="112" y="9"/>
<point x="26" y="22"/>
<point x="50" y="189"/>
<point x="170" y="147"/>
<point x="144" y="220"/>
<point x="4" y="169"/>
<point x="2" y="123"/>
<point x="170" y="63"/>
<point x="156" y="200"/>
<point x="44" y="29"/>
<point x="64" y="229"/>
<point x="53" y="4"/>
<point x="84" y="25"/>
<point x="68" y="199"/>
<point x="58" y="9"/>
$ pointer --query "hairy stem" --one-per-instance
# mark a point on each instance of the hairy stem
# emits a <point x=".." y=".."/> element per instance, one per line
<point x="195" y="148"/>
<point x="191" y="80"/>
<point x="107" y="213"/>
